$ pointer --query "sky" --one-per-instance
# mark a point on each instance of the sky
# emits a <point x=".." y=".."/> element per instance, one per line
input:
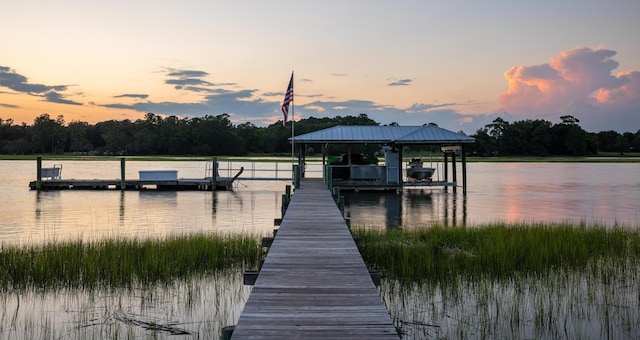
<point x="459" y="64"/>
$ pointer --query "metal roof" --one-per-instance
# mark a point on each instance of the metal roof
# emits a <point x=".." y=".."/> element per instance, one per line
<point x="357" y="134"/>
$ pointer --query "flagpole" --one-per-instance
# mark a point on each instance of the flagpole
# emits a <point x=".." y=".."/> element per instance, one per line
<point x="293" y="122"/>
<point x="288" y="101"/>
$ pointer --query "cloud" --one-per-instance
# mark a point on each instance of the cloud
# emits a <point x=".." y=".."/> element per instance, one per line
<point x="624" y="95"/>
<point x="401" y="82"/>
<point x="190" y="80"/>
<point x="55" y="97"/>
<point x="241" y="105"/>
<point x="10" y="106"/>
<point x="132" y="95"/>
<point x="19" y="83"/>
<point x="180" y="82"/>
<point x="187" y="73"/>
<point x="579" y="82"/>
<point x="281" y="95"/>
<point x="421" y="108"/>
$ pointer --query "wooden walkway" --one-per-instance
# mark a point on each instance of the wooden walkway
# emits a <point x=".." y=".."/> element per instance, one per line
<point x="314" y="283"/>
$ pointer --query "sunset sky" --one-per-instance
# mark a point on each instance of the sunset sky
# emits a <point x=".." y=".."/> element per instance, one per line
<point x="459" y="64"/>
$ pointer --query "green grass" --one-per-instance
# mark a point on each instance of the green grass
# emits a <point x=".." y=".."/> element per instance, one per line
<point x="602" y="158"/>
<point x="442" y="254"/>
<point x="122" y="262"/>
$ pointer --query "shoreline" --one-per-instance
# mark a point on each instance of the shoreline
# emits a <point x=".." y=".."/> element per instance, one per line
<point x="267" y="158"/>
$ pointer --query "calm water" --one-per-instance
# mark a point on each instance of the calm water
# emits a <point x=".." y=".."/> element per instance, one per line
<point x="513" y="192"/>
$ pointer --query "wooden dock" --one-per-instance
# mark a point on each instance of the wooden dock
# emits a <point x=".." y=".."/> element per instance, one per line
<point x="314" y="283"/>
<point x="183" y="184"/>
<point x="51" y="179"/>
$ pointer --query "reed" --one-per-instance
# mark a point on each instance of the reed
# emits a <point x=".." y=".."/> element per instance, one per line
<point x="122" y="262"/>
<point x="499" y="250"/>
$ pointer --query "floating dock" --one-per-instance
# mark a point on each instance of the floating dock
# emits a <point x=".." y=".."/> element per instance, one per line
<point x="51" y="179"/>
<point x="182" y="184"/>
<point x="314" y="282"/>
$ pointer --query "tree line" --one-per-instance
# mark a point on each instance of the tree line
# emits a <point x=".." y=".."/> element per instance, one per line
<point x="158" y="135"/>
<point x="543" y="138"/>
<point x="216" y="135"/>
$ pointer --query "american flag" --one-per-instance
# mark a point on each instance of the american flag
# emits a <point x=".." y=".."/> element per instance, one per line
<point x="288" y="98"/>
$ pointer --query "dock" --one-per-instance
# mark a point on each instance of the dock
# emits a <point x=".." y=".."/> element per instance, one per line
<point x="183" y="184"/>
<point x="50" y="178"/>
<point x="314" y="282"/>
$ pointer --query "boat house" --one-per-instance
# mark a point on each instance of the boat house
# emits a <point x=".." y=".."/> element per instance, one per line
<point x="353" y="171"/>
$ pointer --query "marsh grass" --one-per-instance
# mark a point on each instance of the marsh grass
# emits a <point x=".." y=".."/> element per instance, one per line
<point x="496" y="251"/>
<point x="122" y="262"/>
<point x="509" y="281"/>
<point x="194" y="308"/>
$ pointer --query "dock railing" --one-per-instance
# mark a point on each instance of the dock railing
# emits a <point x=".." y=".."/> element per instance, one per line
<point x="267" y="170"/>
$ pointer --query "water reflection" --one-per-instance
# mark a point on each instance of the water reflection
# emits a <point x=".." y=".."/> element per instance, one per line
<point x="122" y="205"/>
<point x="197" y="308"/>
<point x="91" y="215"/>
<point x="569" y="304"/>
<point x="408" y="209"/>
<point x="510" y="192"/>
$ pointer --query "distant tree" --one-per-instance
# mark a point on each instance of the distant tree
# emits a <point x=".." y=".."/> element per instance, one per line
<point x="117" y="137"/>
<point x="540" y="138"/>
<point x="607" y="140"/>
<point x="252" y="136"/>
<point x="215" y="135"/>
<point x="497" y="130"/>
<point x="49" y="135"/>
<point x="78" y="141"/>
<point x="175" y="136"/>
<point x="361" y="119"/>
<point x="485" y="145"/>
<point x="621" y="145"/>
<point x="569" y="138"/>
<point x="569" y="120"/>
<point x="635" y="144"/>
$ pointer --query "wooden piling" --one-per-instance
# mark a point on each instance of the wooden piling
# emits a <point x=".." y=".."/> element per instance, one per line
<point x="123" y="182"/>
<point x="296" y="176"/>
<point x="214" y="172"/>
<point x="39" y="173"/>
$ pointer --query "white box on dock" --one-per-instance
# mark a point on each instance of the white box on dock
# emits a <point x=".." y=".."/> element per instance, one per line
<point x="158" y="175"/>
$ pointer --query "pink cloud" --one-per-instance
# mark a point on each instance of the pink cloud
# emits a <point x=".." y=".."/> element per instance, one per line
<point x="577" y="78"/>
<point x="625" y="95"/>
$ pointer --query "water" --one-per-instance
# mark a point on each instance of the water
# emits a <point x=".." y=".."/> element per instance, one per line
<point x="197" y="308"/>
<point x="511" y="192"/>
<point x="28" y="216"/>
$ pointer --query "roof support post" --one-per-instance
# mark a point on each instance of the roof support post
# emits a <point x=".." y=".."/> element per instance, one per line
<point x="400" y="156"/>
<point x="464" y="169"/>
<point x="454" y="171"/>
<point x="446" y="170"/>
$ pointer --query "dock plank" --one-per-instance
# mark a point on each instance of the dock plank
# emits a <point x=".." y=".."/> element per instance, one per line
<point x="314" y="283"/>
